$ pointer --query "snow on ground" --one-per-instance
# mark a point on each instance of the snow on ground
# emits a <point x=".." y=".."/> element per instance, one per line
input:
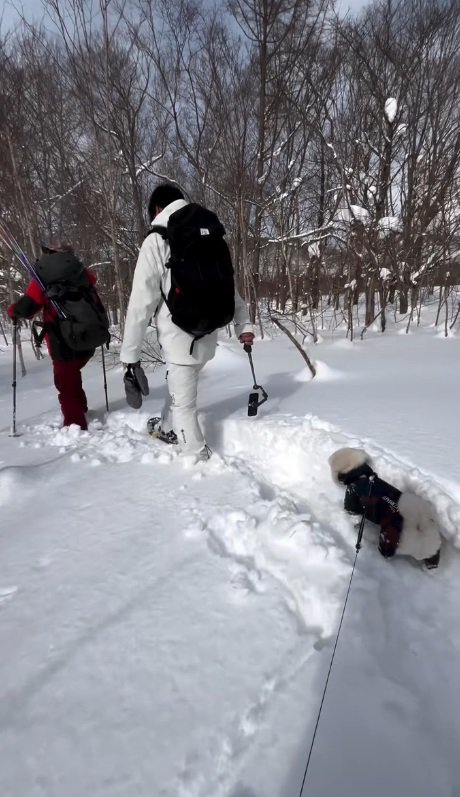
<point x="167" y="630"/>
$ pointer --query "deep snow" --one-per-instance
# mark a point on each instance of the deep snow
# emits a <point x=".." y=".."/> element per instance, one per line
<point x="167" y="630"/>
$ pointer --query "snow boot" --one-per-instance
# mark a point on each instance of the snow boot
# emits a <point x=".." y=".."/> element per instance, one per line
<point x="433" y="562"/>
<point x="154" y="429"/>
<point x="204" y="454"/>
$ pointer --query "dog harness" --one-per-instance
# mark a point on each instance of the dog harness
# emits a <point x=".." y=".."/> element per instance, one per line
<point x="377" y="501"/>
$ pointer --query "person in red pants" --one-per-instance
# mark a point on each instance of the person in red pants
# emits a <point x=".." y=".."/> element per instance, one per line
<point x="67" y="364"/>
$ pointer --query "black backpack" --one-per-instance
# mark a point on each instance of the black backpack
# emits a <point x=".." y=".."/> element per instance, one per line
<point x="82" y="322"/>
<point x="201" y="298"/>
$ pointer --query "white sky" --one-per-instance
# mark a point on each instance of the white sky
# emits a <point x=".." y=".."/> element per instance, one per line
<point x="33" y="10"/>
<point x="12" y="9"/>
<point x="353" y="6"/>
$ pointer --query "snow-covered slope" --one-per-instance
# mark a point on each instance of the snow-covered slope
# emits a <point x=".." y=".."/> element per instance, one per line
<point x="167" y="630"/>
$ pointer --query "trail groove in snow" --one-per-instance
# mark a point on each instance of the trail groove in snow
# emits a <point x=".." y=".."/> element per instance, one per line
<point x="289" y="460"/>
<point x="289" y="456"/>
<point x="267" y="510"/>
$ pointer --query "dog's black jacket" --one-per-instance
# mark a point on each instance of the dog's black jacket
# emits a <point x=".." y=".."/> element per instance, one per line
<point x="378" y="500"/>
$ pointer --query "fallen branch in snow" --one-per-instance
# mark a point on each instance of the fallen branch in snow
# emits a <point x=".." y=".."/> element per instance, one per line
<point x="296" y="343"/>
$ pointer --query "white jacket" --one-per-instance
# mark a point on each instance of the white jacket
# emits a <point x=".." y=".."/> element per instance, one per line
<point x="150" y="277"/>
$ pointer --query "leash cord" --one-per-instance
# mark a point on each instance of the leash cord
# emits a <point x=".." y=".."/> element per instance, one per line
<point x="328" y="676"/>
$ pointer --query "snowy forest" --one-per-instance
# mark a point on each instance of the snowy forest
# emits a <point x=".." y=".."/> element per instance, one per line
<point x="253" y="623"/>
<point x="329" y="145"/>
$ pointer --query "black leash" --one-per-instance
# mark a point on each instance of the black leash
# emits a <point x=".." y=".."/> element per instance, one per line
<point x="363" y="517"/>
<point x="328" y="676"/>
<point x="358" y="548"/>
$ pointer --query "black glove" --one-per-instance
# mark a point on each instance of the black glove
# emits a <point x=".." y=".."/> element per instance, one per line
<point x="25" y="307"/>
<point x="136" y="385"/>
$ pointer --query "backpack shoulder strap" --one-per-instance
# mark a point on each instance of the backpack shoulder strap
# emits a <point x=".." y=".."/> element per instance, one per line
<point x="163" y="233"/>
<point x="160" y="230"/>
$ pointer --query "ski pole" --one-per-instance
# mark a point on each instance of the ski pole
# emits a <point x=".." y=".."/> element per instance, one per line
<point x="254" y="401"/>
<point x="105" y="379"/>
<point x="11" y="243"/>
<point x="13" y="432"/>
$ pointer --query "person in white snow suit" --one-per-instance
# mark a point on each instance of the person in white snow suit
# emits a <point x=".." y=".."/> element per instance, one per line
<point x="185" y="353"/>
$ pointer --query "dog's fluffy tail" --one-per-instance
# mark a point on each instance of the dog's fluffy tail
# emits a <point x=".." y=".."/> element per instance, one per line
<point x="420" y="536"/>
<point x="347" y="459"/>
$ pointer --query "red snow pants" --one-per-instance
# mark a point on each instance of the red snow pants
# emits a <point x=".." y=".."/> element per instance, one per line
<point x="72" y="398"/>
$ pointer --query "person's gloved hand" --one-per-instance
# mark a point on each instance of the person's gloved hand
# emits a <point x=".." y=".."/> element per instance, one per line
<point x="11" y="310"/>
<point x="136" y="384"/>
<point x="246" y="338"/>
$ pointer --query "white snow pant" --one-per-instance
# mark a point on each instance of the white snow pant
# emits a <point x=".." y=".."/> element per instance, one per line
<point x="179" y="412"/>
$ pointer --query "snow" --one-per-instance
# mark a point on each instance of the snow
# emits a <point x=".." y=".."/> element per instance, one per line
<point x="352" y="213"/>
<point x="391" y="109"/>
<point x="167" y="630"/>
<point x="390" y="224"/>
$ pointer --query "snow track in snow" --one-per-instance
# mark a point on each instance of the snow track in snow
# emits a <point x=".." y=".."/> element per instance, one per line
<point x="266" y="507"/>
<point x="296" y="535"/>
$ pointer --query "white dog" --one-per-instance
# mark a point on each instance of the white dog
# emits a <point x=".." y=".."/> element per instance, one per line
<point x="407" y="522"/>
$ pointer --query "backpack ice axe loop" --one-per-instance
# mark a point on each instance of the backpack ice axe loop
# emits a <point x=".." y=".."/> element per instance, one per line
<point x="254" y="401"/>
